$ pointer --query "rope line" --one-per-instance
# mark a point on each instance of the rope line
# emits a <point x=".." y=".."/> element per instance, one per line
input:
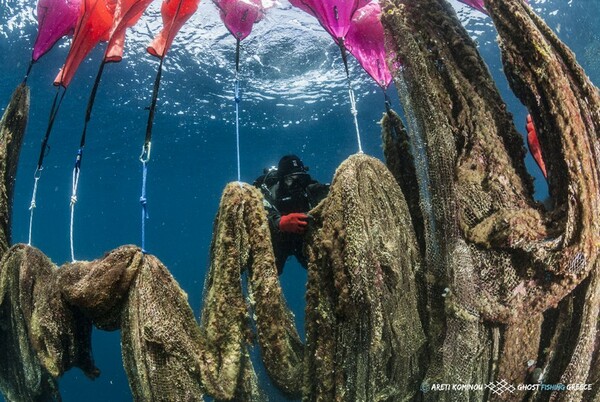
<point x="152" y="107"/>
<point x="143" y="200"/>
<point x="353" y="109"/>
<point x="237" y="54"/>
<point x="75" y="184"/>
<point x="79" y="157"/>
<point x="144" y="203"/>
<point x="237" y="98"/>
<point x="145" y="155"/>
<point x="32" y="206"/>
<point x="354" y="112"/>
<point x="157" y="80"/>
<point x="237" y="128"/>
<point x="28" y="71"/>
<point x="43" y="152"/>
<point x="90" y="105"/>
<point x="146" y="148"/>
<point x="53" y="112"/>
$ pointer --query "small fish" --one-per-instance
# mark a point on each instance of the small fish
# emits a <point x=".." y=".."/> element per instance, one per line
<point x="534" y="145"/>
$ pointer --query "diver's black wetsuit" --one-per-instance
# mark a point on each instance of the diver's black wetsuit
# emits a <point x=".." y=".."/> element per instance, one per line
<point x="300" y="194"/>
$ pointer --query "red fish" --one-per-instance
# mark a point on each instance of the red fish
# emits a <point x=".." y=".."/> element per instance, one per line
<point x="534" y="145"/>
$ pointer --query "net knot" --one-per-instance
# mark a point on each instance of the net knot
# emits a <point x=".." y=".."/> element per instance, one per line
<point x="73" y="199"/>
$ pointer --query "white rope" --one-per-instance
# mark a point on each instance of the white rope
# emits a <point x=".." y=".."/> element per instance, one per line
<point x="32" y="205"/>
<point x="354" y="112"/>
<point x="237" y="125"/>
<point x="73" y="202"/>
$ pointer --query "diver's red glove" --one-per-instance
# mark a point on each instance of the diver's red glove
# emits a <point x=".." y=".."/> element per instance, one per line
<point x="534" y="145"/>
<point x="293" y="223"/>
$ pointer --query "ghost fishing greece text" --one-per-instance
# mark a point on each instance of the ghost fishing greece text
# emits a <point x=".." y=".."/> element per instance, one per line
<point x="501" y="387"/>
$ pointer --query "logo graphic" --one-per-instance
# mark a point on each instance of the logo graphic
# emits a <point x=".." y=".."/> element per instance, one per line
<point x="500" y="387"/>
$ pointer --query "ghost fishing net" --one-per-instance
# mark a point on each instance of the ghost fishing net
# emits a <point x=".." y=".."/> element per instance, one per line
<point x="241" y="242"/>
<point x="364" y="334"/>
<point x="544" y="74"/>
<point x="41" y="336"/>
<point x="502" y="261"/>
<point x="12" y="131"/>
<point x="401" y="163"/>
<point x="49" y="314"/>
<point x="364" y="341"/>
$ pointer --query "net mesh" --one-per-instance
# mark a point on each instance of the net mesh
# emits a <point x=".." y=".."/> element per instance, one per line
<point x="241" y="241"/>
<point x="12" y="132"/>
<point x="365" y="340"/>
<point x="41" y="336"/>
<point x="500" y="258"/>
<point x="364" y="335"/>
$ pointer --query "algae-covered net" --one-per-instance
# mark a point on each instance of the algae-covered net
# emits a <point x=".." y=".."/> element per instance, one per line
<point x="364" y="340"/>
<point x="443" y="270"/>
<point x="364" y="334"/>
<point x="364" y="337"/>
<point x="502" y="263"/>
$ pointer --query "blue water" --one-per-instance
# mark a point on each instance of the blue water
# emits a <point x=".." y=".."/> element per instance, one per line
<point x="294" y="100"/>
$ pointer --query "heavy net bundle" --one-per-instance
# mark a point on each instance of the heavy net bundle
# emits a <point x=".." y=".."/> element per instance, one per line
<point x="496" y="263"/>
<point x="364" y="335"/>
<point x="365" y="338"/>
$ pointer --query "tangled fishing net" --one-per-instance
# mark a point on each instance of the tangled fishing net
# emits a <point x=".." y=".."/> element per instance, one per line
<point x="502" y="271"/>
<point x="442" y="269"/>
<point x="364" y="339"/>
<point x="364" y="335"/>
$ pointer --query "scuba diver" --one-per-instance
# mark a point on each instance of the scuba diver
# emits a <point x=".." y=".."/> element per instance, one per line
<point x="289" y="193"/>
